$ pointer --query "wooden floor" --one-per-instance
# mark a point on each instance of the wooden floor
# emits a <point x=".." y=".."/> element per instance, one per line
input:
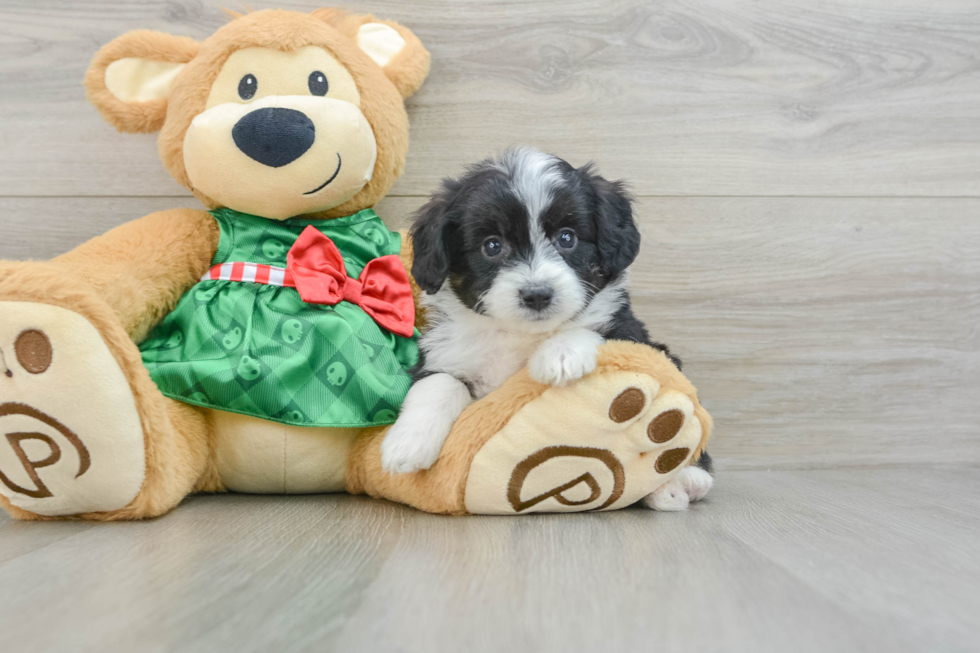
<point x="821" y="560"/>
<point x="808" y="184"/>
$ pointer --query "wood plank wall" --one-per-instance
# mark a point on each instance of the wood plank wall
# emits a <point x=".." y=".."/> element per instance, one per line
<point x="807" y="173"/>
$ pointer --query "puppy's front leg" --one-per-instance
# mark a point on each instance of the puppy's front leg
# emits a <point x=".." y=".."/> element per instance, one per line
<point x="565" y="356"/>
<point x="427" y="416"/>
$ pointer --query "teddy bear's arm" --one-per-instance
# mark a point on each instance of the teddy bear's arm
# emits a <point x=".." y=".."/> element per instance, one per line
<point x="143" y="267"/>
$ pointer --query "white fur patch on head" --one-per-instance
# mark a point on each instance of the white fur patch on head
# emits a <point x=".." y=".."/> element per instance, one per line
<point x="533" y="175"/>
<point x="380" y="42"/>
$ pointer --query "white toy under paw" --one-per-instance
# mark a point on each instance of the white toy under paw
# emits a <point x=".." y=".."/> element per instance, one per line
<point x="695" y="481"/>
<point x="669" y="497"/>
<point x="565" y="357"/>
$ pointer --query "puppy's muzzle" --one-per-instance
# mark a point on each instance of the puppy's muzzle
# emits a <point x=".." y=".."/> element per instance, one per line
<point x="537" y="298"/>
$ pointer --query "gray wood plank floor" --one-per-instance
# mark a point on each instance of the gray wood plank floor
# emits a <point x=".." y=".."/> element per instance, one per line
<point x="821" y="560"/>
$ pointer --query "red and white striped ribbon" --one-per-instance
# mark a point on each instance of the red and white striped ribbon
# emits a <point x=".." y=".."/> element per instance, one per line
<point x="252" y="272"/>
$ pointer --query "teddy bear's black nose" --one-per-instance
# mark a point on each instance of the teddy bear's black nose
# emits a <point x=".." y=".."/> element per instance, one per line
<point x="274" y="136"/>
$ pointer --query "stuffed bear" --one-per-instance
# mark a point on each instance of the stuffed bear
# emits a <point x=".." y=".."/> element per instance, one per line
<point x="262" y="345"/>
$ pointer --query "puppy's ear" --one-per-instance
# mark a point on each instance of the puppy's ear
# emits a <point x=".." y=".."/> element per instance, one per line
<point x="432" y="235"/>
<point x="617" y="238"/>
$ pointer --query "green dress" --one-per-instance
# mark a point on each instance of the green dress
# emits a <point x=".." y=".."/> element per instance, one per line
<point x="259" y="350"/>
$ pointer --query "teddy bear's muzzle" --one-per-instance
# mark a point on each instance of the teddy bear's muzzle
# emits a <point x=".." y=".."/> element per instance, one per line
<point x="286" y="155"/>
<point x="274" y="136"/>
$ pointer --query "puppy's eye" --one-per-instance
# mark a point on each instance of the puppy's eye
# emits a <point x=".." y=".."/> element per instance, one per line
<point x="318" y="83"/>
<point x="492" y="247"/>
<point x="247" y="87"/>
<point x="566" y="239"/>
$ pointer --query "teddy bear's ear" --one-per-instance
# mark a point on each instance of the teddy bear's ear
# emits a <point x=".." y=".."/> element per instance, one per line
<point x="130" y="78"/>
<point x="400" y="54"/>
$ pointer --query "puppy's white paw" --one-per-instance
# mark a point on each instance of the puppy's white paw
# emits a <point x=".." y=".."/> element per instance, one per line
<point x="410" y="446"/>
<point x="695" y="481"/>
<point x="415" y="440"/>
<point x="669" y="497"/>
<point x="565" y="357"/>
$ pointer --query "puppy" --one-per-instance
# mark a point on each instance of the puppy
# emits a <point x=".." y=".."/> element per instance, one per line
<point x="523" y="261"/>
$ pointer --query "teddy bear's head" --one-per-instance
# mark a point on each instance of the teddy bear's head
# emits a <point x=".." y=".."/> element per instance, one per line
<point x="277" y="114"/>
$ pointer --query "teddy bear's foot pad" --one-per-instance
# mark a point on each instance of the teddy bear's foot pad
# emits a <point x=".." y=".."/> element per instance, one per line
<point x="70" y="435"/>
<point x="601" y="443"/>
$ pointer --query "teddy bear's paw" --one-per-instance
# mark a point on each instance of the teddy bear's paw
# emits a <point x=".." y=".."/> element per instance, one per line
<point x="601" y="443"/>
<point x="71" y="441"/>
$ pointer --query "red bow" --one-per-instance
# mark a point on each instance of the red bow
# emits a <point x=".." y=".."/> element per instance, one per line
<point x="316" y="269"/>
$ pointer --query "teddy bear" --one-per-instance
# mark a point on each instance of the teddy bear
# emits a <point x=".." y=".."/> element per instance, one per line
<point x="262" y="345"/>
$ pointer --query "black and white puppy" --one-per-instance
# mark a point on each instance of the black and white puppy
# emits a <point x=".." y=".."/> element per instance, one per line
<point x="523" y="261"/>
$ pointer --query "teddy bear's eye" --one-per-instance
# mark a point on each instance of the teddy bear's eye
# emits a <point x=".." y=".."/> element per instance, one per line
<point x="318" y="83"/>
<point x="247" y="87"/>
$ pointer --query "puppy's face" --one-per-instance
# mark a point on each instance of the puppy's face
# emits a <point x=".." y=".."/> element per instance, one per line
<point x="525" y="239"/>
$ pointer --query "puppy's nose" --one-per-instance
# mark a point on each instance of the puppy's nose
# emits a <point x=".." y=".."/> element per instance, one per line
<point x="538" y="298"/>
<point x="274" y="136"/>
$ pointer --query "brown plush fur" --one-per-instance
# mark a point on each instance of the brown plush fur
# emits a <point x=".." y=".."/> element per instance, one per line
<point x="143" y="267"/>
<point x="406" y="256"/>
<point x="142" y="117"/>
<point x="441" y="488"/>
